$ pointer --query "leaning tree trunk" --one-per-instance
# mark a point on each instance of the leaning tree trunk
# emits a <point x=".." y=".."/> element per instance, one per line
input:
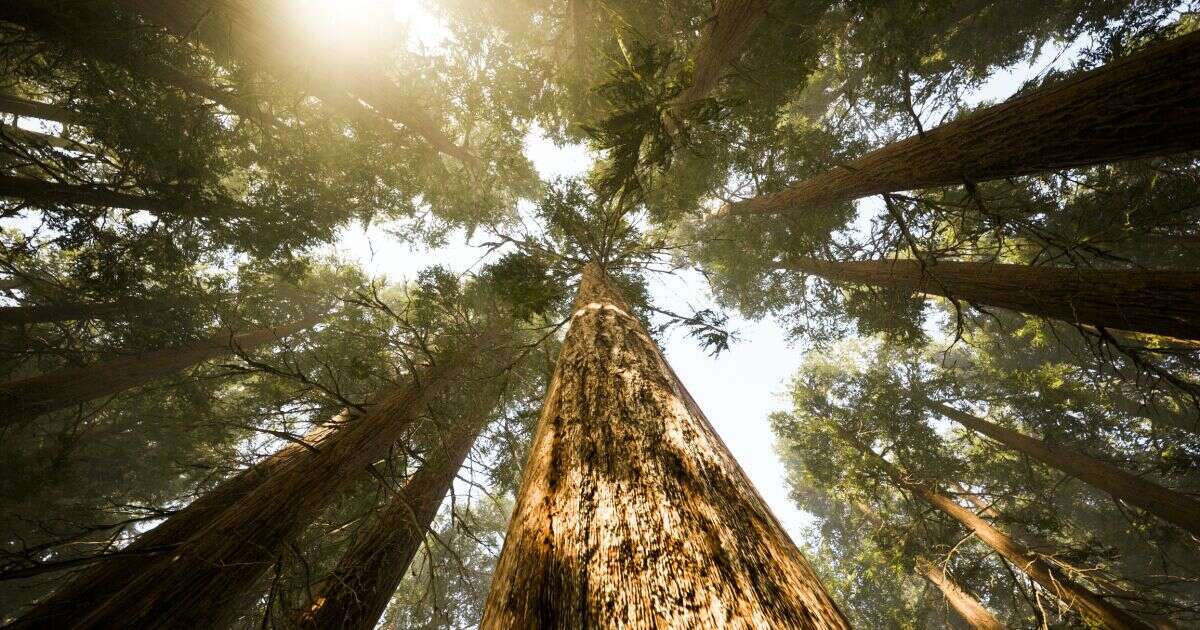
<point x="46" y="193"/>
<point x="208" y="574"/>
<point x="724" y="37"/>
<point x="964" y="605"/>
<point x="632" y="512"/>
<point x="1144" y="105"/>
<point x="107" y="575"/>
<point x="1154" y="302"/>
<point x="67" y="311"/>
<point x="1169" y="505"/>
<point x="242" y="31"/>
<point x="11" y="104"/>
<point x="29" y="398"/>
<point x="356" y="593"/>
<point x="1050" y="578"/>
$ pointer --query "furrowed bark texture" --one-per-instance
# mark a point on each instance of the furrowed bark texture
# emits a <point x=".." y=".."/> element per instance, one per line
<point x="1071" y="593"/>
<point x="46" y="193"/>
<point x="1147" y="104"/>
<point x="1154" y="302"/>
<point x="1169" y="505"/>
<point x="105" y="578"/>
<point x="201" y="584"/>
<point x="632" y="512"/>
<point x="721" y="43"/>
<point x="33" y="109"/>
<point x="964" y="605"/>
<point x="18" y="315"/>
<point x="251" y="33"/>
<point x="356" y="593"/>
<point x="29" y="398"/>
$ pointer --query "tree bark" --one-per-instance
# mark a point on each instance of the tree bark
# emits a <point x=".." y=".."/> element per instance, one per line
<point x="106" y="577"/>
<point x="964" y="605"/>
<point x="33" y="109"/>
<point x="201" y="583"/>
<point x="1071" y="593"/>
<point x="1144" y="105"/>
<point x="26" y="399"/>
<point x="356" y="593"/>
<point x="37" y="314"/>
<point x="90" y="34"/>
<point x="1154" y="302"/>
<point x="1169" y="505"/>
<point x="724" y="37"/>
<point x="241" y="31"/>
<point x="46" y="193"/>
<point x="632" y="512"/>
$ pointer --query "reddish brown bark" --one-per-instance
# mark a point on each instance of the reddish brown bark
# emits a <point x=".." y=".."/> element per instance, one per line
<point x="19" y="315"/>
<point x="1071" y="593"/>
<point x="632" y="512"/>
<point x="964" y="605"/>
<point x="34" y="109"/>
<point x="1144" y="105"/>
<point x="1169" y="505"/>
<point x="199" y="585"/>
<point x="1154" y="302"/>
<point x="356" y="593"/>
<point x="721" y="43"/>
<point x="45" y="193"/>
<point x="23" y="400"/>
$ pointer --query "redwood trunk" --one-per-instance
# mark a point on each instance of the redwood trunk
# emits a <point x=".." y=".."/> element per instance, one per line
<point x="202" y="582"/>
<point x="356" y="594"/>
<point x="632" y="512"/>
<point x="33" y="109"/>
<point x="722" y="42"/>
<point x="964" y="605"/>
<point x="1169" y="505"/>
<point x="1050" y="578"/>
<point x="18" y="315"/>
<point x="1144" y="105"/>
<point x="46" y="193"/>
<point x="29" y="398"/>
<point x="1153" y="302"/>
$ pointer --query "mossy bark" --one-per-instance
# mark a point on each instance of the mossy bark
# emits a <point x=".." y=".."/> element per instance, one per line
<point x="632" y="512"/>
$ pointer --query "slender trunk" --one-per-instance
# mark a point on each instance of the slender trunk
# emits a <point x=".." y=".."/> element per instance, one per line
<point x="242" y="31"/>
<point x="1157" y="414"/>
<point x="42" y="192"/>
<point x="356" y="593"/>
<point x="1050" y="578"/>
<point x="23" y="400"/>
<point x="106" y="577"/>
<point x="33" y="109"/>
<point x="92" y="35"/>
<point x="632" y="512"/>
<point x="724" y="37"/>
<point x="966" y="606"/>
<point x="20" y="315"/>
<point x="1154" y="302"/>
<point x="208" y="574"/>
<point x="1143" y="105"/>
<point x="1169" y="505"/>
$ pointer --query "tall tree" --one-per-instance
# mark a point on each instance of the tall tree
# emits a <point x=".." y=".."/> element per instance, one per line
<point x="725" y="35"/>
<point x="631" y="510"/>
<point x="1143" y="105"/>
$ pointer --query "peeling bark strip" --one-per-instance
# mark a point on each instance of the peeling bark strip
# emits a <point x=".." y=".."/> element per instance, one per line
<point x="1144" y="105"/>
<point x="1169" y="505"/>
<point x="1154" y="302"/>
<point x="632" y="512"/>
<point x="1071" y="593"/>
<point x="721" y="43"/>
<point x="29" y="398"/>
<point x="355" y="595"/>
<point x="201" y="583"/>
<point x="47" y="193"/>
<point x="964" y="605"/>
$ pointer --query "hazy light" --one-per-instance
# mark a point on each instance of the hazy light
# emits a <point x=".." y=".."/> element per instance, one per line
<point x="364" y="28"/>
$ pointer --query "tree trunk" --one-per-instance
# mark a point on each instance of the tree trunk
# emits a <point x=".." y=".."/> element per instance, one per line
<point x="209" y="573"/>
<point x="92" y="35"/>
<point x="1157" y="414"/>
<point x="36" y="138"/>
<point x="1072" y="594"/>
<point x="46" y="193"/>
<point x="632" y="512"/>
<point x="1169" y="505"/>
<point x="1154" y="302"/>
<point x="1144" y="105"/>
<point x="33" y="109"/>
<point x="20" y="315"/>
<point x="724" y="37"/>
<point x="23" y="400"/>
<point x="356" y="594"/>
<point x="106" y="577"/>
<point x="238" y="30"/>
<point x="964" y="605"/>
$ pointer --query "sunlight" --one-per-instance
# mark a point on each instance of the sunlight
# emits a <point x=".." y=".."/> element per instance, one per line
<point x="362" y="28"/>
